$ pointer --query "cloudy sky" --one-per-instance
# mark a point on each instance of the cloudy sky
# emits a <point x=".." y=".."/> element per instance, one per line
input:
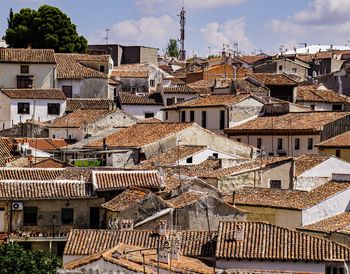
<point x="254" y="24"/>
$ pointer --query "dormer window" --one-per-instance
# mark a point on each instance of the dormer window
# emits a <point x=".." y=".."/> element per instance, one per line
<point x="24" y="69"/>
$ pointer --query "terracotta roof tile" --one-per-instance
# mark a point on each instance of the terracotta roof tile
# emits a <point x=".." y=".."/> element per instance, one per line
<point x="307" y="161"/>
<point x="312" y="94"/>
<point x="88" y="103"/>
<point x="69" y="66"/>
<point x="342" y="140"/>
<point x="40" y="174"/>
<point x="41" y="56"/>
<point x="251" y="59"/>
<point x="90" y="241"/>
<point x="222" y="100"/>
<point x="311" y="121"/>
<point x="183" y="89"/>
<point x="335" y="223"/>
<point x="7" y="153"/>
<point x="45" y="144"/>
<point x="141" y="134"/>
<point x="112" y="180"/>
<point x="291" y="199"/>
<point x="37" y="163"/>
<point x="75" y="174"/>
<point x="131" y="71"/>
<point x="54" y="94"/>
<point x="125" y="200"/>
<point x="43" y="190"/>
<point x="78" y="118"/>
<point x="185" y="199"/>
<point x="261" y="241"/>
<point x="203" y="86"/>
<point x="127" y="98"/>
<point x="272" y="79"/>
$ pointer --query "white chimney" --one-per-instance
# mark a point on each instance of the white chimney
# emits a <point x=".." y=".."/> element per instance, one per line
<point x="162" y="229"/>
<point x="125" y="225"/>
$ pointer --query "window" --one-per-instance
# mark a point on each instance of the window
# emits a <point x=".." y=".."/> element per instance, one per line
<point x="180" y="100"/>
<point x="30" y="215"/>
<point x="23" y="108"/>
<point x="337" y="107"/>
<point x="216" y="155"/>
<point x="53" y="136"/>
<point x="24" y="69"/>
<point x="297" y="143"/>
<point x="67" y="216"/>
<point x="191" y="116"/>
<point x="204" y="119"/>
<point x="258" y="143"/>
<point x="337" y="153"/>
<point x="102" y="68"/>
<point x="279" y="144"/>
<point x="166" y="115"/>
<point x="313" y="107"/>
<point x="24" y="81"/>
<point x="152" y="83"/>
<point x="335" y="270"/>
<point x="310" y="144"/>
<point x="222" y="119"/>
<point x="280" y="67"/>
<point x="275" y="184"/>
<point x="53" y="109"/>
<point x="189" y="160"/>
<point x="183" y="116"/>
<point x="68" y="91"/>
<point x="238" y="139"/>
<point x="294" y="70"/>
<point x="149" y="115"/>
<point x="169" y="101"/>
<point x="115" y="93"/>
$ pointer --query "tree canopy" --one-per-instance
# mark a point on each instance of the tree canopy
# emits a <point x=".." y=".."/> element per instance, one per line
<point x="172" y="49"/>
<point x="15" y="259"/>
<point x="47" y="27"/>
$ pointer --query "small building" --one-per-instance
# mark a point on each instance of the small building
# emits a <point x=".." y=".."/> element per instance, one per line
<point x="338" y="146"/>
<point x="73" y="104"/>
<point x="216" y="112"/>
<point x="291" y="134"/>
<point x="27" y="68"/>
<point x="175" y="95"/>
<point x="20" y="105"/>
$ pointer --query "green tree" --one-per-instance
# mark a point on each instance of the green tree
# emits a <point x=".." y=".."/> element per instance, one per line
<point x="172" y="48"/>
<point x="16" y="260"/>
<point x="48" y="27"/>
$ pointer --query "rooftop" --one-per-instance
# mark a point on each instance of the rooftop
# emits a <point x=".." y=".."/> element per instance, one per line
<point x="306" y="162"/>
<point x="181" y="89"/>
<point x="127" y="98"/>
<point x="131" y="71"/>
<point x="52" y="94"/>
<point x="311" y="93"/>
<point x="31" y="174"/>
<point x="272" y="79"/>
<point x="88" y="103"/>
<point x="7" y="153"/>
<point x="27" y="56"/>
<point x="186" y="198"/>
<point x="45" y="144"/>
<point x="340" y="222"/>
<point x="342" y="140"/>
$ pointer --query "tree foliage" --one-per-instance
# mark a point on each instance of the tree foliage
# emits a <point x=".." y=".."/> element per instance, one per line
<point x="172" y="48"/>
<point x="15" y="260"/>
<point x="48" y="27"/>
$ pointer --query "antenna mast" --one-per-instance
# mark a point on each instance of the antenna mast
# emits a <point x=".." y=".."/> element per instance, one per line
<point x="182" y="56"/>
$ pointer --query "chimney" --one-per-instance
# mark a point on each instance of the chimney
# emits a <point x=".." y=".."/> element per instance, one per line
<point x="162" y="228"/>
<point x="126" y="225"/>
<point x="164" y="256"/>
<point x="234" y="198"/>
<point x="104" y="144"/>
<point x="239" y="232"/>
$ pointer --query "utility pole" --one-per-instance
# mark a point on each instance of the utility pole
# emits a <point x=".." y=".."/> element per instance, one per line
<point x="106" y="38"/>
<point x="182" y="56"/>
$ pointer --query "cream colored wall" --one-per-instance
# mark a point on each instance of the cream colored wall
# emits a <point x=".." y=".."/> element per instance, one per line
<point x="5" y="112"/>
<point x="344" y="152"/>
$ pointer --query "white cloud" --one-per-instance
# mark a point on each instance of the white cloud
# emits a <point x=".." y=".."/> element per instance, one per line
<point x="323" y="21"/>
<point x="154" y="6"/>
<point x="149" y="31"/>
<point x="230" y="32"/>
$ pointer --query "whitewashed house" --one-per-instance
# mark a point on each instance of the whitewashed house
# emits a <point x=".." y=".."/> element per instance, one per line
<point x="84" y="75"/>
<point x="19" y="105"/>
<point x="27" y="68"/>
<point x="216" y="112"/>
<point x="174" y="95"/>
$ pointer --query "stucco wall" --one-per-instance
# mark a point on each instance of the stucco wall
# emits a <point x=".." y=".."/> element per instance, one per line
<point x="139" y="110"/>
<point x="344" y="152"/>
<point x="88" y="88"/>
<point x="5" y="112"/>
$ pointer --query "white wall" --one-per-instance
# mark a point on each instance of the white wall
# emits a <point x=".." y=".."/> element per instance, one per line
<point x="5" y="112"/>
<point x="44" y="75"/>
<point x="334" y="205"/>
<point x="320" y="106"/>
<point x="204" y="154"/>
<point x="270" y="142"/>
<point x="176" y="96"/>
<point x="139" y="110"/>
<point x="88" y="88"/>
<point x="327" y="168"/>
<point x="63" y="133"/>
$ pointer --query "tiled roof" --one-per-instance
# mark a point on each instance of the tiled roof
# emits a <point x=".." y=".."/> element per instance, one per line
<point x="310" y="121"/>
<point x="54" y="93"/>
<point x="245" y="85"/>
<point x="75" y="174"/>
<point x="43" y="190"/>
<point x="246" y="166"/>
<point x="88" y="103"/>
<point x="185" y="199"/>
<point x="78" y="118"/>
<point x="125" y="200"/>
<point x="312" y="94"/>
<point x="335" y="223"/>
<point x="45" y="144"/>
<point x="90" y="241"/>
<point x="127" y="98"/>
<point x="183" y="89"/>
<point x="40" y="174"/>
<point x="141" y="134"/>
<point x="173" y="155"/>
<point x="37" y="163"/>
<point x="342" y="140"/>
<point x="291" y="199"/>
<point x="176" y="81"/>
<point x="272" y="79"/>
<point x="131" y="71"/>
<point x="203" y="86"/>
<point x="307" y="161"/>
<point x="7" y="153"/>
<point x="41" y="56"/>
<point x="263" y="241"/>
<point x="251" y="59"/>
<point x="69" y="66"/>
<point x="222" y="100"/>
<point x="112" y="180"/>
